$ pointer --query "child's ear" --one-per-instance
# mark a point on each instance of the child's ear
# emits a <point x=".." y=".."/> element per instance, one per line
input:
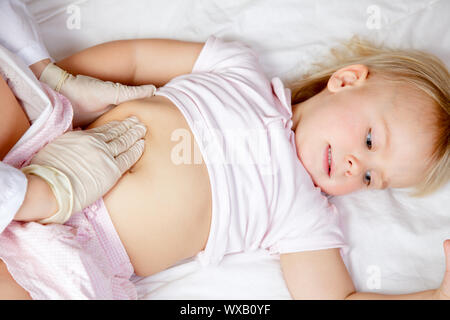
<point x="348" y="76"/>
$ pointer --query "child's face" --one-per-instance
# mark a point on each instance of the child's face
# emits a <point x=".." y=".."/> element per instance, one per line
<point x="376" y="131"/>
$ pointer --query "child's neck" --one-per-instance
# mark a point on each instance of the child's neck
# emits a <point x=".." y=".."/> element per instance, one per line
<point x="296" y="112"/>
<point x="300" y="109"/>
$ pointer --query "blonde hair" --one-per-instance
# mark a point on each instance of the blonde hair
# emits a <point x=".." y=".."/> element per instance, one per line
<point x="420" y="70"/>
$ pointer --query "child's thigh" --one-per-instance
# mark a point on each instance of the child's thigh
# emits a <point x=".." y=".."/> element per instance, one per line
<point x="9" y="289"/>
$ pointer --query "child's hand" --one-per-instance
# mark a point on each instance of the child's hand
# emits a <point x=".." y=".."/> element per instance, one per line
<point x="443" y="293"/>
<point x="91" y="97"/>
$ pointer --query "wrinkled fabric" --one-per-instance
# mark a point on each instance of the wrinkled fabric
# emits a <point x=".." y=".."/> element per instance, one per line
<point x="25" y="41"/>
<point x="13" y="186"/>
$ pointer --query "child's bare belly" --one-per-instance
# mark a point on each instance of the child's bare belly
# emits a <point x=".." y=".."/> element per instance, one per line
<point x="161" y="210"/>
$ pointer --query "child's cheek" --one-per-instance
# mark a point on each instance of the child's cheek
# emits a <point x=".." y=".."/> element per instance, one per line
<point x="339" y="131"/>
<point x="349" y="130"/>
<point x="344" y="186"/>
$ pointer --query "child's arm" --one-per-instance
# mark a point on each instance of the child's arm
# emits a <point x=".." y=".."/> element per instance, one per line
<point x="135" y="62"/>
<point x="144" y="63"/>
<point x="140" y="63"/>
<point x="322" y="274"/>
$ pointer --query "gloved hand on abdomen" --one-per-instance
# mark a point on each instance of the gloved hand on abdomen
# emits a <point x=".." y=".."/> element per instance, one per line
<point x="81" y="166"/>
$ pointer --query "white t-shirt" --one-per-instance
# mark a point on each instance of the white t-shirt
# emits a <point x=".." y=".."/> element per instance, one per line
<point x="262" y="197"/>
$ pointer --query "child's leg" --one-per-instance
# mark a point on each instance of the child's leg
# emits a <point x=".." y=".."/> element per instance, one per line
<point x="9" y="289"/>
<point x="13" y="120"/>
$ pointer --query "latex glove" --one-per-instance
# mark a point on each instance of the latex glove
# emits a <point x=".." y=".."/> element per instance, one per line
<point x="91" y="97"/>
<point x="81" y="166"/>
<point x="19" y="32"/>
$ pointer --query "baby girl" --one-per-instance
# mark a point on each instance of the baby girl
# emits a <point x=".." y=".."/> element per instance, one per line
<point x="235" y="162"/>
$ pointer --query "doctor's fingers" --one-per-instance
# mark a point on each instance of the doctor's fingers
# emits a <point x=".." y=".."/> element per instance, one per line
<point x="127" y="139"/>
<point x="115" y="129"/>
<point x="127" y="159"/>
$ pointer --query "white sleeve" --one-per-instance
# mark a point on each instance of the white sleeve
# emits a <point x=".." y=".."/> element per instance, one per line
<point x="25" y="41"/>
<point x="13" y="187"/>
<point x="220" y="56"/>
<point x="315" y="229"/>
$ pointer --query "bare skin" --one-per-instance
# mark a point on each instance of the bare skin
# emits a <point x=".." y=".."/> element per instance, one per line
<point x="9" y="289"/>
<point x="158" y="201"/>
<point x="13" y="122"/>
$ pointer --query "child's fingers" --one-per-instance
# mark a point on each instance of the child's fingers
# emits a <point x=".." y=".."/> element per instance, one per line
<point x="447" y="255"/>
<point x="444" y="290"/>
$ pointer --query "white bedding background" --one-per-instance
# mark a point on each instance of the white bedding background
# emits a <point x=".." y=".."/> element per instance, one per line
<point x="395" y="241"/>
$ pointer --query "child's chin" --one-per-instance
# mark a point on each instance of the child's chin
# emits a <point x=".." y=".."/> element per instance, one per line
<point x="318" y="185"/>
<point x="327" y="190"/>
<point x="335" y="191"/>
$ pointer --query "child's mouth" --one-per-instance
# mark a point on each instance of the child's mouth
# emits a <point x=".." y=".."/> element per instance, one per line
<point x="327" y="163"/>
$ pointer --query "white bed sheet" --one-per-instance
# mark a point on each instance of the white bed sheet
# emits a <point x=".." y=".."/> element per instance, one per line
<point x="395" y="241"/>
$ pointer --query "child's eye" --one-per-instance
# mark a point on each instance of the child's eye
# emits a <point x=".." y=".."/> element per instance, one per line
<point x="367" y="178"/>
<point x="369" y="139"/>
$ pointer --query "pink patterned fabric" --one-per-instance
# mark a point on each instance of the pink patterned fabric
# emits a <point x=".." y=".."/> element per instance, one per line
<point x="60" y="120"/>
<point x="83" y="259"/>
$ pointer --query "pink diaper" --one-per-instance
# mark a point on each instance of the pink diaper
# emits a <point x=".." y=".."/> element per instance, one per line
<point x="83" y="259"/>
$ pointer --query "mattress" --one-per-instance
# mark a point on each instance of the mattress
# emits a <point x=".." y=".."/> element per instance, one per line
<point x="395" y="242"/>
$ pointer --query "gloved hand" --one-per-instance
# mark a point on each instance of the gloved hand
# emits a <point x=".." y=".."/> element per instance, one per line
<point x="91" y="97"/>
<point x="19" y="32"/>
<point x="81" y="166"/>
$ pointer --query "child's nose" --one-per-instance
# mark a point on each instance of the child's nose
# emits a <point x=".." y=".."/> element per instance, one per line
<point x="353" y="166"/>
